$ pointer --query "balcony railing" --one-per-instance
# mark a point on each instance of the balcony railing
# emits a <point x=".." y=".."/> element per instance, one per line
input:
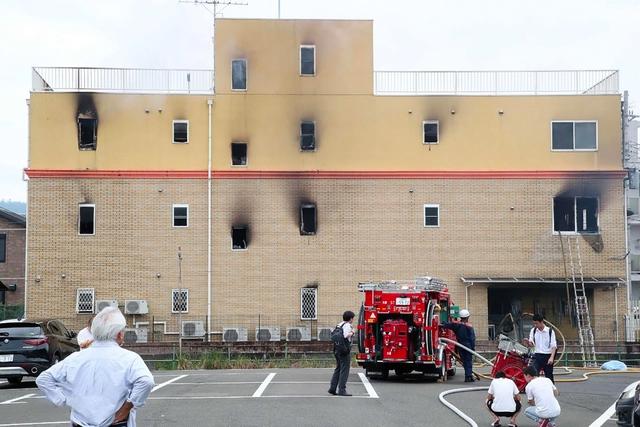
<point x="134" y="80"/>
<point x="583" y="82"/>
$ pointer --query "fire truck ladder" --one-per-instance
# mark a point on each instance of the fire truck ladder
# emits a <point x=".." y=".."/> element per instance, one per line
<point x="585" y="331"/>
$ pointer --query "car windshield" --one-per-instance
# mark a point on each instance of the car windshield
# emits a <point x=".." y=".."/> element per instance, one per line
<point x="20" y="330"/>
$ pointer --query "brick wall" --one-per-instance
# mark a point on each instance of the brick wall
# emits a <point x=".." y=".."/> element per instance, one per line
<point x="367" y="230"/>
<point x="12" y="270"/>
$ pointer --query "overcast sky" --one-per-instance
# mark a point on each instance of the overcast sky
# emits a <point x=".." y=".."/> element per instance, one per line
<point x="408" y="35"/>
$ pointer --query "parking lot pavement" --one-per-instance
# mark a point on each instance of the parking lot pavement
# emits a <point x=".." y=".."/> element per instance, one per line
<point x="298" y="397"/>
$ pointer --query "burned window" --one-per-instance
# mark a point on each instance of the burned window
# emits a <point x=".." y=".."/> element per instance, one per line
<point x="239" y="74"/>
<point x="181" y="131"/>
<point x="86" y="219"/>
<point x="180" y="215"/>
<point x="3" y="248"/>
<point x="587" y="214"/>
<point x="570" y="135"/>
<point x="432" y="215"/>
<point x="307" y="219"/>
<point x="87" y="132"/>
<point x="430" y="132"/>
<point x="307" y="136"/>
<point x="238" y="154"/>
<point x="239" y="237"/>
<point x="307" y="60"/>
<point x="575" y="214"/>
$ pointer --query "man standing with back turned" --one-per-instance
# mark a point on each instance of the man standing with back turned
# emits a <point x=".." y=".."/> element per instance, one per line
<point x="342" y="352"/>
<point x="466" y="336"/>
<point x="543" y="338"/>
<point x="103" y="384"/>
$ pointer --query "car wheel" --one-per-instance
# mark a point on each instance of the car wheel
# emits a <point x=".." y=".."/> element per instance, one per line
<point x="14" y="380"/>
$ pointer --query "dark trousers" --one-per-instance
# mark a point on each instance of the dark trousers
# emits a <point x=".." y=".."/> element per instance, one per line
<point x="540" y="363"/>
<point x="341" y="373"/>
<point x="467" y="362"/>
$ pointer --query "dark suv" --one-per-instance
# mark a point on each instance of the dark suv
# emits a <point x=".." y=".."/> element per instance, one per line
<point x="29" y="347"/>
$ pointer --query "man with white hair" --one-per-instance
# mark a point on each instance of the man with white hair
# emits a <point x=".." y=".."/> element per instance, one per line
<point x="103" y="384"/>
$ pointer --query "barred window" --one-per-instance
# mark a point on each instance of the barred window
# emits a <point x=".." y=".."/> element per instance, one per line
<point x="179" y="300"/>
<point x="85" y="298"/>
<point x="309" y="304"/>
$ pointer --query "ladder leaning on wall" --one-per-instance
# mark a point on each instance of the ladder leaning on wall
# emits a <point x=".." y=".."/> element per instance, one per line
<point x="583" y="318"/>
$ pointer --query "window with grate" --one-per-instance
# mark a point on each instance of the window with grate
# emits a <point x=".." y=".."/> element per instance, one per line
<point x="309" y="304"/>
<point x="179" y="300"/>
<point x="181" y="131"/>
<point x="85" y="298"/>
<point x="180" y="215"/>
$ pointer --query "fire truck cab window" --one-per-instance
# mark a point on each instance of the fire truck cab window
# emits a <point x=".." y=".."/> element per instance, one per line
<point x="308" y="219"/>
<point x="87" y="133"/>
<point x="239" y="237"/>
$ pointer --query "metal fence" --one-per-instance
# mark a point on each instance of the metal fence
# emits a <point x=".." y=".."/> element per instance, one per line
<point x="579" y="82"/>
<point x="135" y="80"/>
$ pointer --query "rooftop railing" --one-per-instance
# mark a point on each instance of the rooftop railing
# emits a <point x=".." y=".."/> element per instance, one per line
<point x="134" y="80"/>
<point x="580" y="82"/>
<point x="141" y="80"/>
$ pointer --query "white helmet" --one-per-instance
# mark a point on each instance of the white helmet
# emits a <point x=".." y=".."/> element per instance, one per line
<point x="464" y="313"/>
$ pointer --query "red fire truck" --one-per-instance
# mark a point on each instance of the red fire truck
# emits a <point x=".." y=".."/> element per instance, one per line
<point x="399" y="327"/>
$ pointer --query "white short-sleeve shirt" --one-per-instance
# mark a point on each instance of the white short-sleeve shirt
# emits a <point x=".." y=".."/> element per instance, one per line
<point x="503" y="390"/>
<point x="541" y="390"/>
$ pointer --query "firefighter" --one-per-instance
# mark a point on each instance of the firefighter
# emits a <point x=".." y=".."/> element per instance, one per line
<point x="466" y="336"/>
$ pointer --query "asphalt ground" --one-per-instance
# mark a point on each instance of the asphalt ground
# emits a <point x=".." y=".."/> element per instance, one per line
<point x="298" y="397"/>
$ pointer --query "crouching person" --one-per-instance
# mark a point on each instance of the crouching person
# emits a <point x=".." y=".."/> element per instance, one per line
<point x="503" y="400"/>
<point x="104" y="384"/>
<point x="541" y="394"/>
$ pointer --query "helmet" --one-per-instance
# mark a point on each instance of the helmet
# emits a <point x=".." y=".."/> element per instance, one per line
<point x="464" y="313"/>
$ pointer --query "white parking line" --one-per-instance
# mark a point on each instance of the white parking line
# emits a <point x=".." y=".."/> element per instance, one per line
<point x="294" y="396"/>
<point x="368" y="386"/>
<point x="606" y="415"/>
<point x="260" y="382"/>
<point x="264" y="385"/>
<point x="159" y="386"/>
<point x="26" y="396"/>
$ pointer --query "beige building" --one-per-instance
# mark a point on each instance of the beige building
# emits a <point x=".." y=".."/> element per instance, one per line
<point x="305" y="172"/>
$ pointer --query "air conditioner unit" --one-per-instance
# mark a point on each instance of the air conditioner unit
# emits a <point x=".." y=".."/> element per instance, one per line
<point x="101" y="304"/>
<point x="234" y="334"/>
<point x="136" y="306"/>
<point x="324" y="334"/>
<point x="296" y="333"/>
<point x="135" y="335"/>
<point x="268" y="334"/>
<point x="193" y="329"/>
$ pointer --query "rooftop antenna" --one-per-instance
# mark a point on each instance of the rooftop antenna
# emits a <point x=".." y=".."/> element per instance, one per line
<point x="215" y="14"/>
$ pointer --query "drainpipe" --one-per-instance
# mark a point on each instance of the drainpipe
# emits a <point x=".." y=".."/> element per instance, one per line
<point x="210" y="105"/>
<point x="615" y="299"/>
<point x="466" y="295"/>
<point x="26" y="228"/>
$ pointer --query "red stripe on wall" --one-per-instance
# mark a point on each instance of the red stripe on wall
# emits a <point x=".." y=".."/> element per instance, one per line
<point x="257" y="174"/>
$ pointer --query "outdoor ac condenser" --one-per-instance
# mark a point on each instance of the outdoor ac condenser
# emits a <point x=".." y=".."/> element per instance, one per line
<point x="101" y="304"/>
<point x="297" y="333"/>
<point x="268" y="333"/>
<point x="324" y="334"/>
<point x="136" y="306"/>
<point x="193" y="329"/>
<point x="135" y="335"/>
<point x="234" y="334"/>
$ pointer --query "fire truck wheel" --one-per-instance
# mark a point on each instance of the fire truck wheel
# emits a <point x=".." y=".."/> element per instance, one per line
<point x="384" y="374"/>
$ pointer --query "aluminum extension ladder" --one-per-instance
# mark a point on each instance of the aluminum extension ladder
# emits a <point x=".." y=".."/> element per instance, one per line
<point x="585" y="331"/>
